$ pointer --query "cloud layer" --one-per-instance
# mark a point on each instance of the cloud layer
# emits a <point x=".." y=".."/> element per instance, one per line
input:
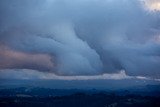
<point x="25" y="74"/>
<point x="80" y="37"/>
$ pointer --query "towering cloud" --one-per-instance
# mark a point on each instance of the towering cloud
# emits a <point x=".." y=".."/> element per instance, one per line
<point x="81" y="37"/>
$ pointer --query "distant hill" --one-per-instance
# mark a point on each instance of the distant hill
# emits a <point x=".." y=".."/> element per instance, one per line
<point x="148" y="90"/>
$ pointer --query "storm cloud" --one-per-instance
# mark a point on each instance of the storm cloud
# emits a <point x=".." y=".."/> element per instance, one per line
<point x="81" y="37"/>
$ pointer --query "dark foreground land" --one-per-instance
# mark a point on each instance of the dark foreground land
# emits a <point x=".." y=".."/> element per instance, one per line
<point x="22" y="97"/>
<point x="82" y="100"/>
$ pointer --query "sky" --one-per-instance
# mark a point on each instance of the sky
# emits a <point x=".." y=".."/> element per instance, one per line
<point x="80" y="39"/>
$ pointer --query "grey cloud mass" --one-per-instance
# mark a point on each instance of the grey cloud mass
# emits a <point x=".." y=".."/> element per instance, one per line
<point x="84" y="37"/>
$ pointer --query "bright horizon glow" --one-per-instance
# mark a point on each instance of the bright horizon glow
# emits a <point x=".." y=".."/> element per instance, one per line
<point x="152" y="5"/>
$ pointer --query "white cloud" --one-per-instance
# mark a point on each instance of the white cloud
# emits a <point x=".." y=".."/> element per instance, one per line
<point x="33" y="74"/>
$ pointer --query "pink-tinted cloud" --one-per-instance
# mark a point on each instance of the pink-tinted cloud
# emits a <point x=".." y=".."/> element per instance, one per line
<point x="15" y="59"/>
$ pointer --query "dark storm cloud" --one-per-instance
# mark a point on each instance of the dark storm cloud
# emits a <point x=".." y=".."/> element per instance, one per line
<point x="86" y="37"/>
